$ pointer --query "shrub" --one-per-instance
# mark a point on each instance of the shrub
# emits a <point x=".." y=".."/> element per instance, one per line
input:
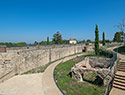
<point x="106" y="53"/>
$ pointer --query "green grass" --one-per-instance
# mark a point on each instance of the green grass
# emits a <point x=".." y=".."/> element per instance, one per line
<point x="118" y="62"/>
<point x="71" y="86"/>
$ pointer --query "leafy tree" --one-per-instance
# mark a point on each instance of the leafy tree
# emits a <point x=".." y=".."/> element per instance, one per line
<point x="117" y="37"/>
<point x="43" y="43"/>
<point x="21" y="44"/>
<point x="47" y="40"/>
<point x="35" y="43"/>
<point x="83" y="41"/>
<point x="14" y="44"/>
<point x="89" y="41"/>
<point x="103" y="42"/>
<point x="108" y="41"/>
<point x="96" y="40"/>
<point x="121" y="26"/>
<point x="64" y="42"/>
<point x="57" y="38"/>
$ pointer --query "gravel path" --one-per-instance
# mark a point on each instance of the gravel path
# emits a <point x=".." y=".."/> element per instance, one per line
<point x="22" y="85"/>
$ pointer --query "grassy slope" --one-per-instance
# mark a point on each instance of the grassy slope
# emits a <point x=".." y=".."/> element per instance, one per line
<point x="70" y="86"/>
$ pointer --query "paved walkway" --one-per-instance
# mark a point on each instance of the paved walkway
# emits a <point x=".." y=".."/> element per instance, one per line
<point x="22" y="85"/>
<point x="49" y="85"/>
<point x="33" y="84"/>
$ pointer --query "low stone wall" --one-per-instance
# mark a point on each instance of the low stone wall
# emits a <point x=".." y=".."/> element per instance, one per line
<point x="20" y="61"/>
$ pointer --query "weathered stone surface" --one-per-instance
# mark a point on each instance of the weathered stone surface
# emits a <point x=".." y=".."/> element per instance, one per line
<point x="21" y="59"/>
<point x="104" y="68"/>
<point x="99" y="62"/>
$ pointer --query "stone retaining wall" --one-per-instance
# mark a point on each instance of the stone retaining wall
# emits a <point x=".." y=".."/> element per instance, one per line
<point x="20" y="61"/>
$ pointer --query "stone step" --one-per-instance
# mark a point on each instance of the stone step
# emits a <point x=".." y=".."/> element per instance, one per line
<point x="122" y="62"/>
<point x="123" y="70"/>
<point x="121" y="67"/>
<point x="120" y="78"/>
<point x="119" y="75"/>
<point x="120" y="81"/>
<point x="118" y="87"/>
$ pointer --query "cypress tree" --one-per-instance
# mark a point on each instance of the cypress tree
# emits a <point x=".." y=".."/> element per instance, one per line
<point x="96" y="40"/>
<point x="103" y="42"/>
<point x="47" y="40"/>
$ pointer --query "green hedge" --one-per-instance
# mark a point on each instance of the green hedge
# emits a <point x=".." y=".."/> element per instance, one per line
<point x="103" y="52"/>
<point x="121" y="50"/>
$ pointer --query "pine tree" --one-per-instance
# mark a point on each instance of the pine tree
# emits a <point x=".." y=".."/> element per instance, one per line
<point x="96" y="40"/>
<point x="103" y="42"/>
<point x="57" y="38"/>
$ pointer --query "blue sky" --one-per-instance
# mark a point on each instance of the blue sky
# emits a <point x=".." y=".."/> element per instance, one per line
<point x="34" y="20"/>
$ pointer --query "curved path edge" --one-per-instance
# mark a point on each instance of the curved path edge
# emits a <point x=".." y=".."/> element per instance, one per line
<point x="48" y="82"/>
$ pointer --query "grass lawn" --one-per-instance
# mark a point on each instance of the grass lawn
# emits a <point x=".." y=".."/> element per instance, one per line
<point x="71" y="86"/>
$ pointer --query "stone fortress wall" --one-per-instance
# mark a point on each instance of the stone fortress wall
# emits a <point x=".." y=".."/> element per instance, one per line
<point x="18" y="60"/>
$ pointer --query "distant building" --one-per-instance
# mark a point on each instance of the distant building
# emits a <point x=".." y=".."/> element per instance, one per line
<point x="72" y="41"/>
<point x="2" y="48"/>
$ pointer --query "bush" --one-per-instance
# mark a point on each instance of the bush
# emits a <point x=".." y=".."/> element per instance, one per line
<point x="103" y="52"/>
<point x="120" y="50"/>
